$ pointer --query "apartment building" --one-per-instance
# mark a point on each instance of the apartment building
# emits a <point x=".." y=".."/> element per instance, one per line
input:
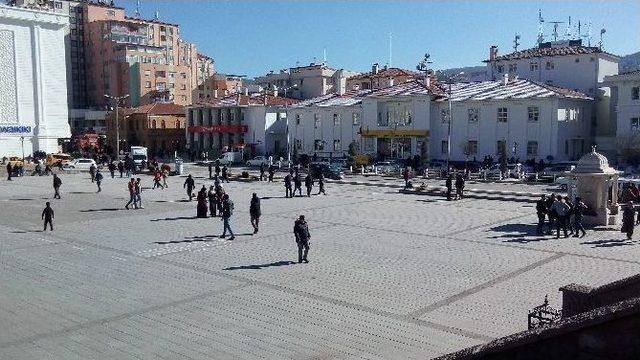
<point x="625" y="111"/>
<point x="218" y="85"/>
<point x="306" y="82"/>
<point x="379" y="78"/>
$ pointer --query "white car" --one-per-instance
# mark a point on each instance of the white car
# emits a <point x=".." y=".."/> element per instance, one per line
<point x="256" y="161"/>
<point x="81" y="164"/>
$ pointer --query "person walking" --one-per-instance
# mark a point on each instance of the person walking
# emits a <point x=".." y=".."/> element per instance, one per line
<point x="297" y="183"/>
<point x="47" y="216"/>
<point x="541" y="211"/>
<point x="165" y="172"/>
<point x="211" y="196"/>
<point x="261" y="171"/>
<point x="459" y="186"/>
<point x="99" y="177"/>
<point x="92" y="171"/>
<point x="569" y="216"/>
<point x="201" y="208"/>
<point x="272" y="171"/>
<point x="321" y="184"/>
<point x="628" y="219"/>
<point x="551" y="213"/>
<point x="561" y="209"/>
<point x="578" y="210"/>
<point x="138" y="190"/>
<point x="405" y="175"/>
<point x="9" y="171"/>
<point x="308" y="183"/>
<point x="217" y="168"/>
<point x="131" y="186"/>
<point x="120" y="168"/>
<point x="287" y="186"/>
<point x="112" y="169"/>
<point x="301" y="233"/>
<point x="210" y="166"/>
<point x="449" y="185"/>
<point x="57" y="182"/>
<point x="227" y="212"/>
<point x="254" y="212"/>
<point x="189" y="184"/>
<point x="225" y="174"/>
<point x="157" y="176"/>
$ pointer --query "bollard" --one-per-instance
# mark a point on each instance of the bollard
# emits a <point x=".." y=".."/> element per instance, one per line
<point x="362" y="169"/>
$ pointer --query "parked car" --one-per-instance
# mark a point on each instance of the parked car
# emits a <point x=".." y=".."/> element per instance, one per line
<point x="556" y="170"/>
<point x="333" y="172"/>
<point x="256" y="161"/>
<point x="80" y="164"/>
<point x="60" y="158"/>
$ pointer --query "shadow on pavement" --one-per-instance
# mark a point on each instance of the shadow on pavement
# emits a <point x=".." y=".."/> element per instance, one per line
<point x="609" y="243"/>
<point x="105" y="209"/>
<point x="261" y="266"/>
<point x="176" y="218"/>
<point x="82" y="192"/>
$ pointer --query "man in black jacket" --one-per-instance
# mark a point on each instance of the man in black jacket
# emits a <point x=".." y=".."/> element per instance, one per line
<point x="301" y="232"/>
<point x="47" y="216"/>
<point x="189" y="184"/>
<point x="541" y="211"/>
<point x="227" y="211"/>
<point x="308" y="183"/>
<point x="57" y="182"/>
<point x="287" y="186"/>
<point x="255" y="212"/>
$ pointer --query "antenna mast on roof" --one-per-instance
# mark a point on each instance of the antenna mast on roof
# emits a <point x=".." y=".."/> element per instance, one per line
<point x="516" y="42"/>
<point x="540" y="27"/>
<point x="602" y="31"/>
<point x="555" y="29"/>
<point x="390" y="49"/>
<point x="324" y="56"/>
<point x="137" y="13"/>
<point x="569" y="29"/>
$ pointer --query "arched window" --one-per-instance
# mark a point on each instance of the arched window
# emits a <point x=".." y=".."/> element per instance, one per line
<point x="164" y="124"/>
<point x="153" y="124"/>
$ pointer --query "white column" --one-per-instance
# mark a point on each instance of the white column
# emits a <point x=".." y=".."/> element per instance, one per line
<point x="40" y="128"/>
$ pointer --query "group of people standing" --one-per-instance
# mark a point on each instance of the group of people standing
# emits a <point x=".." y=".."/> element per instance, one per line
<point x="562" y="214"/>
<point x="293" y="183"/>
<point x="216" y="201"/>
<point x="459" y="182"/>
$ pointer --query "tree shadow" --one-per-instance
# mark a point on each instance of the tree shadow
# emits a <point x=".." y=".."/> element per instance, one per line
<point x="99" y="210"/>
<point x="261" y="266"/>
<point x="609" y="243"/>
<point x="176" y="218"/>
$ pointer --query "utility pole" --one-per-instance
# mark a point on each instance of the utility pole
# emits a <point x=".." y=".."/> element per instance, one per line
<point x="117" y="100"/>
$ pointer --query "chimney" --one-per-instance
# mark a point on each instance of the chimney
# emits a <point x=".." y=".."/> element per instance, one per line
<point x="427" y="81"/>
<point x="375" y="68"/>
<point x="246" y="91"/>
<point x="506" y="79"/>
<point x="493" y="53"/>
<point x="275" y="92"/>
<point x="226" y="92"/>
<point x="390" y="81"/>
<point x="215" y="93"/>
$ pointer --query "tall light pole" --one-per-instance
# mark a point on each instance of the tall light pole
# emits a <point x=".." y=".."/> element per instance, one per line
<point x="117" y="100"/>
<point x="450" y="80"/>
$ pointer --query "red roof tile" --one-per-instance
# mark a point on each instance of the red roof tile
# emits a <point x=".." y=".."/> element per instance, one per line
<point x="385" y="73"/>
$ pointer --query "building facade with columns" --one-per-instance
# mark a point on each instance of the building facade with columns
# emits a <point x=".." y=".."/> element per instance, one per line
<point x="625" y="112"/>
<point x="33" y="86"/>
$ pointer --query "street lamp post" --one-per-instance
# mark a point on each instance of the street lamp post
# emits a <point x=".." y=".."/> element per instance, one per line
<point x="22" y="141"/>
<point x="117" y="100"/>
<point x="450" y="82"/>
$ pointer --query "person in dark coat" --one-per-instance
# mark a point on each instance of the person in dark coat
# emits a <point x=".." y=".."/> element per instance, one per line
<point x="9" y="171"/>
<point x="121" y="168"/>
<point x="92" y="172"/>
<point x="99" y="178"/>
<point x="301" y="233"/>
<point x="570" y="214"/>
<point x="57" y="182"/>
<point x="225" y="174"/>
<point x="217" y="168"/>
<point x="261" y="171"/>
<point x="459" y="186"/>
<point x="405" y="175"/>
<point x="210" y="170"/>
<point x="255" y="212"/>
<point x="541" y="211"/>
<point x="578" y="210"/>
<point x="297" y="183"/>
<point x="227" y="212"/>
<point x="449" y="184"/>
<point x="47" y="216"/>
<point x="201" y="209"/>
<point x="551" y="214"/>
<point x="272" y="170"/>
<point x="112" y="169"/>
<point x="189" y="184"/>
<point x="211" y="195"/>
<point x="628" y="219"/>
<point x="308" y="183"/>
<point x="321" y="184"/>
<point x="287" y="186"/>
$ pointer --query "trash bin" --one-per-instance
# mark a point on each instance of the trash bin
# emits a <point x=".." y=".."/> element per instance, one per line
<point x="179" y="166"/>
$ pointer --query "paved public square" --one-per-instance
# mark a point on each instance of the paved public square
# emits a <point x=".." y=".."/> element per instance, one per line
<point x="391" y="276"/>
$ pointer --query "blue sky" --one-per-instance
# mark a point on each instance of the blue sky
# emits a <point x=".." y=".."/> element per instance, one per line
<point x="253" y="37"/>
